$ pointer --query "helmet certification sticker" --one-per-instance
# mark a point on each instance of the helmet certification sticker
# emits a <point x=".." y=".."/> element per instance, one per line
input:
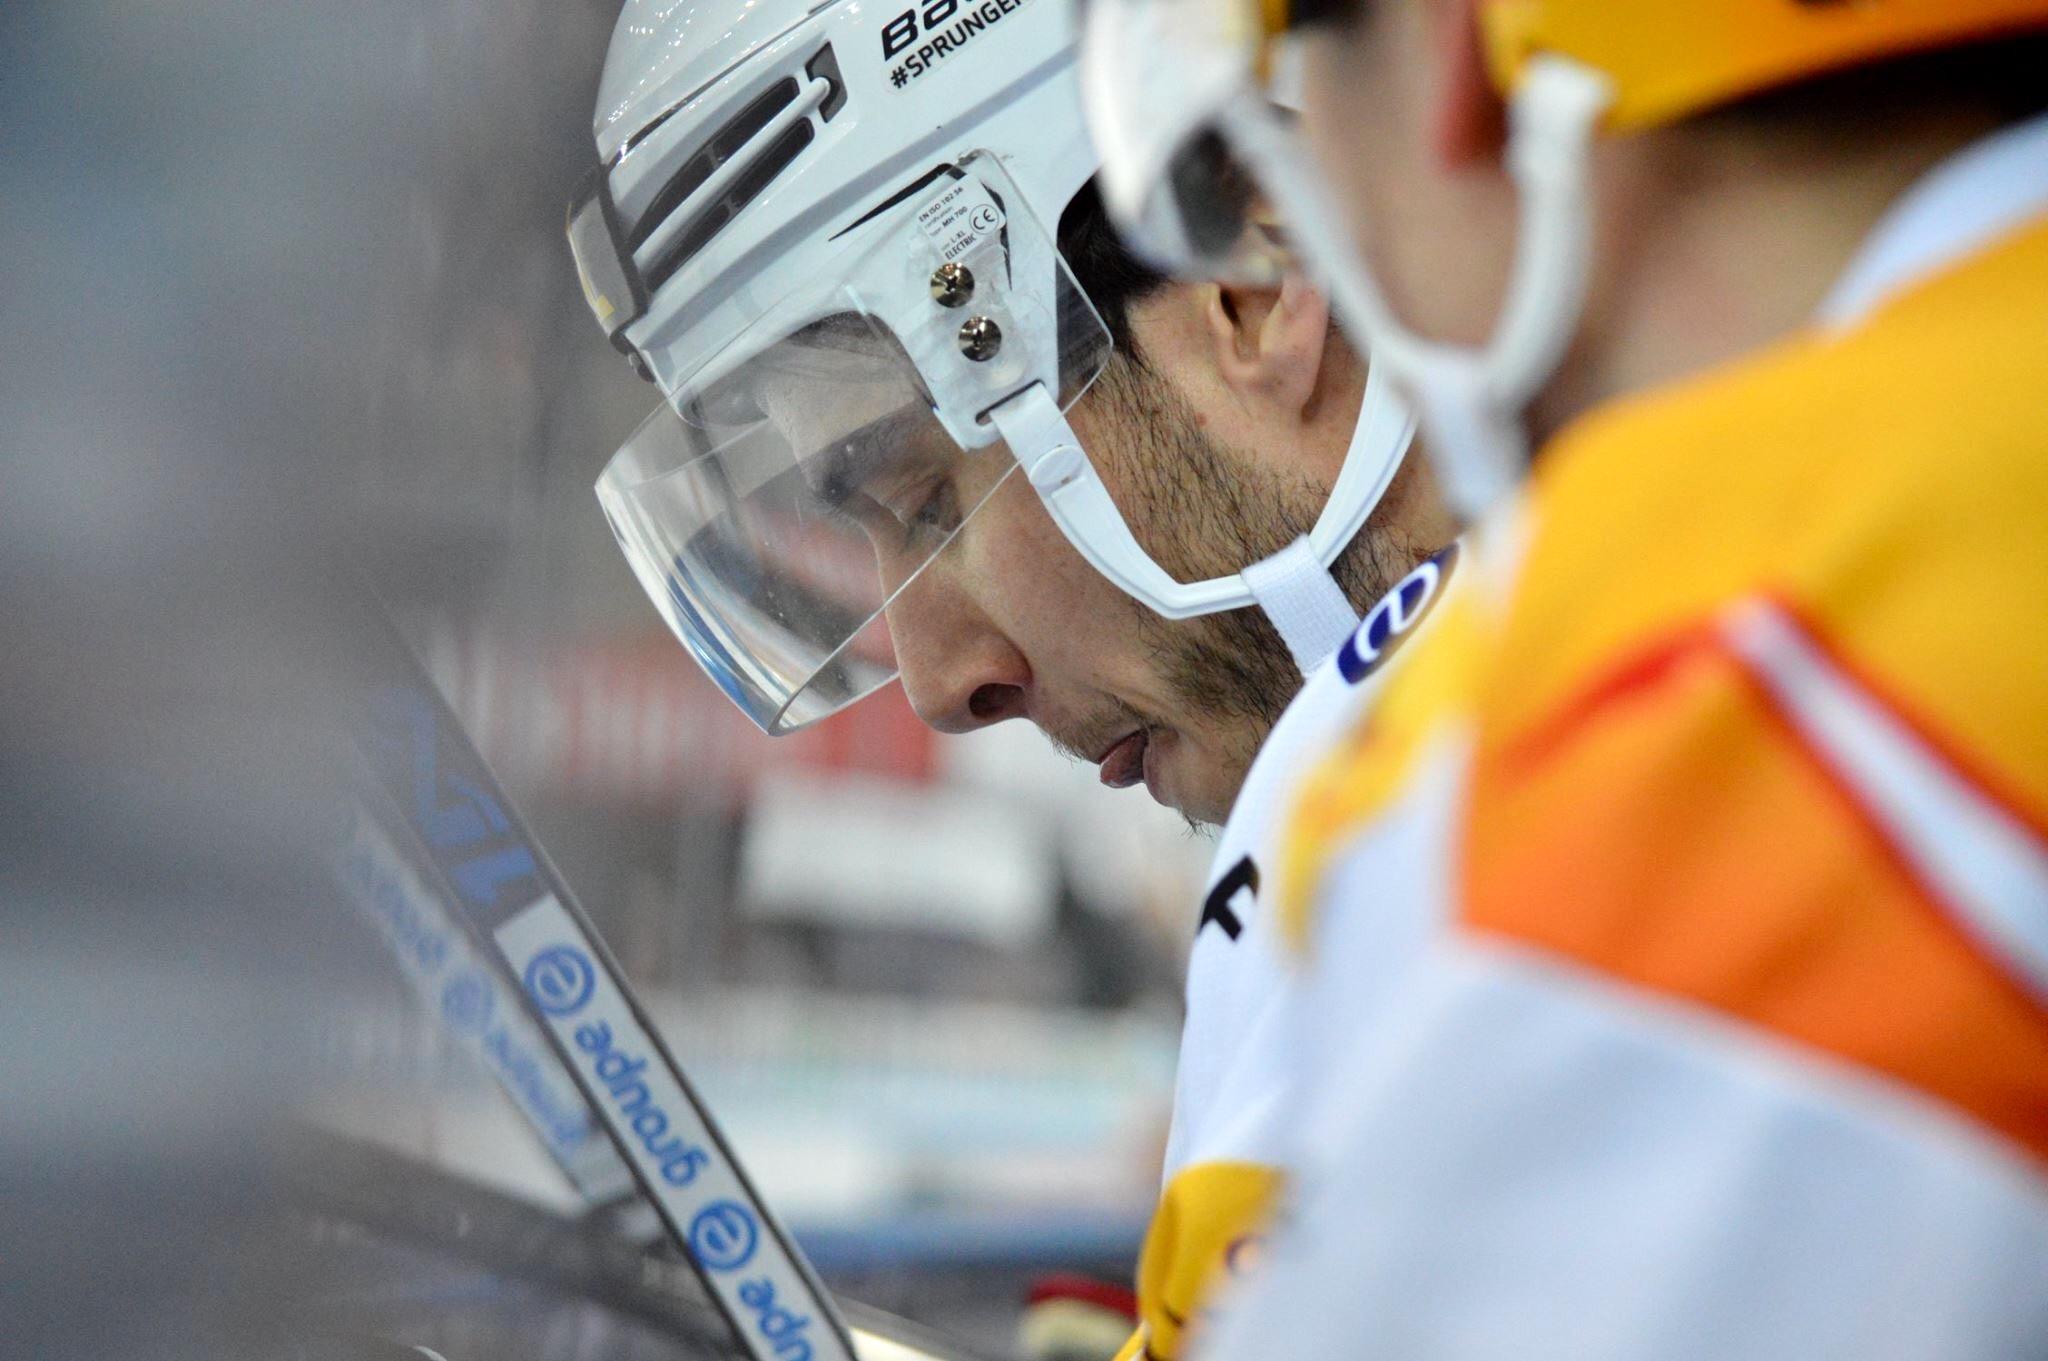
<point x="959" y="219"/>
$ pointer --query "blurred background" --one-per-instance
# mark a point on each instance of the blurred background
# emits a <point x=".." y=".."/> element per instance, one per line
<point x="286" y="308"/>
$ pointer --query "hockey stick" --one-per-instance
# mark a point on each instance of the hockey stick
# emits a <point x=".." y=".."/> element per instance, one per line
<point x="336" y="1180"/>
<point x="529" y="941"/>
<point x="482" y="1011"/>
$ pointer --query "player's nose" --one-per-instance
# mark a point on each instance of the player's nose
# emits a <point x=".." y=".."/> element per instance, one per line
<point x="959" y="670"/>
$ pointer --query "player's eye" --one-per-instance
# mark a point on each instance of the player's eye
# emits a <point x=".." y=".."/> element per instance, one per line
<point x="931" y="515"/>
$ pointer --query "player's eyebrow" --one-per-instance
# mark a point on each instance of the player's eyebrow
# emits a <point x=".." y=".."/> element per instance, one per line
<point x="856" y="457"/>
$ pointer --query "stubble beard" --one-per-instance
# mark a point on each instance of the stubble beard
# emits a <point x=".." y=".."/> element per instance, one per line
<point x="1205" y="509"/>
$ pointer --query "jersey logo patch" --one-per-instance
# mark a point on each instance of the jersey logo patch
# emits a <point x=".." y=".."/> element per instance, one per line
<point x="1242" y="878"/>
<point x="1388" y="623"/>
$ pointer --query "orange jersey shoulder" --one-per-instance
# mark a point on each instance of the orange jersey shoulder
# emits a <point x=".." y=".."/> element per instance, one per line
<point x="1769" y="694"/>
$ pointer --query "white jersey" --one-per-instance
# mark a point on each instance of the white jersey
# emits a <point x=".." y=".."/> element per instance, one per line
<point x="1230" y="1136"/>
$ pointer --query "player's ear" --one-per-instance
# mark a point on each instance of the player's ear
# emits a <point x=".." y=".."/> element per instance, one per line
<point x="1269" y="344"/>
<point x="1468" y="118"/>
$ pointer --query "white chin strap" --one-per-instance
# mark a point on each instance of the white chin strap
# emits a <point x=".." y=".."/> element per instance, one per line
<point x="1471" y="400"/>
<point x="1294" y="586"/>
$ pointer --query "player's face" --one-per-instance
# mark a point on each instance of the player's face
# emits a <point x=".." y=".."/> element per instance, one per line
<point x="1408" y="140"/>
<point x="1010" y="622"/>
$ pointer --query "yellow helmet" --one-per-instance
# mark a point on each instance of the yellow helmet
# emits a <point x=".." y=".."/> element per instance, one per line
<point x="1672" y="59"/>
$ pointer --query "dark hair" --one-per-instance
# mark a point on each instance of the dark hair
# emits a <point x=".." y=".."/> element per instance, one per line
<point x="2002" y="75"/>
<point x="1311" y="14"/>
<point x="2002" y="72"/>
<point x="1113" y="278"/>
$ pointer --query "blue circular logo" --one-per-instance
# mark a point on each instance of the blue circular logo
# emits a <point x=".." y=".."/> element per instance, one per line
<point x="466" y="1002"/>
<point x="560" y="979"/>
<point x="723" y="1236"/>
<point x="1394" y="617"/>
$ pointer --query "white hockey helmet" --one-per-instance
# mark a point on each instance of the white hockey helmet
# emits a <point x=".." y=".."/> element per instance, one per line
<point x="827" y="232"/>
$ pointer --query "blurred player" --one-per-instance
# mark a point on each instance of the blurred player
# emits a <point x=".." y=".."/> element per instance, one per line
<point x="1679" y="920"/>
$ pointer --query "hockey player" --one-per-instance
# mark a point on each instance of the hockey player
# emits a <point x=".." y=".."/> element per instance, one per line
<point x="859" y="252"/>
<point x="1682" y="906"/>
<point x="860" y="255"/>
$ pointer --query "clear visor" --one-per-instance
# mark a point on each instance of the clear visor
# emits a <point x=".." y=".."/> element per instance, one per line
<point x="1240" y="199"/>
<point x="1222" y="213"/>
<point x="779" y="507"/>
<point x="772" y="523"/>
<point x="1185" y="132"/>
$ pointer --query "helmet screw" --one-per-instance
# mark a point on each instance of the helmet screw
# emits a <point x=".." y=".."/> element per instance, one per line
<point x="952" y="284"/>
<point x="980" y="338"/>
